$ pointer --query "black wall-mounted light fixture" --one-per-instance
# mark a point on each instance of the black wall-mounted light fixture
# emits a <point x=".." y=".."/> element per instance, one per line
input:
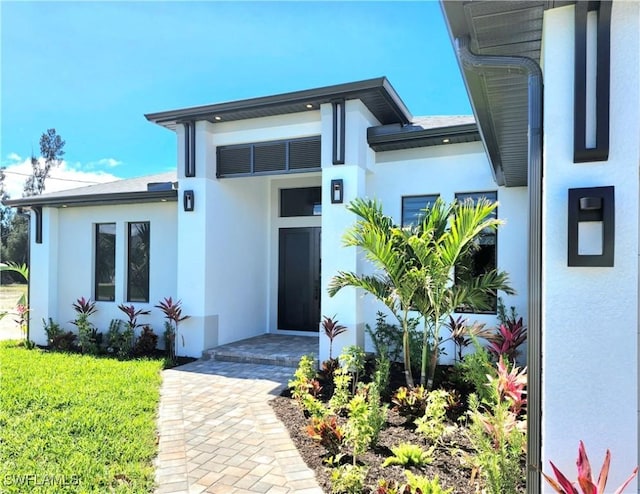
<point x="337" y="191"/>
<point x="591" y="229"/>
<point x="188" y="200"/>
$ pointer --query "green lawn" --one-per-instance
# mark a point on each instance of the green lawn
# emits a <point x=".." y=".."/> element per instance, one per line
<point x="73" y="423"/>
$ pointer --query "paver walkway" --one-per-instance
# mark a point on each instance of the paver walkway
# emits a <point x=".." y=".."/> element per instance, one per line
<point x="219" y="434"/>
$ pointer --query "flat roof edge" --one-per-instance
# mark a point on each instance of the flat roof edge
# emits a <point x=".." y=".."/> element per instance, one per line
<point x="94" y="199"/>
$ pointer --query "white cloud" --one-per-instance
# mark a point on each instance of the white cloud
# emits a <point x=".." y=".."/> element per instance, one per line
<point x="14" y="157"/>
<point x="62" y="177"/>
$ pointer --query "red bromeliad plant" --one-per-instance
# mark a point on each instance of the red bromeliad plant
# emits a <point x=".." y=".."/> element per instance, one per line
<point x="562" y="485"/>
<point x="132" y="314"/>
<point x="173" y="314"/>
<point x="509" y="336"/>
<point x="332" y="329"/>
<point x="84" y="306"/>
<point x="511" y="385"/>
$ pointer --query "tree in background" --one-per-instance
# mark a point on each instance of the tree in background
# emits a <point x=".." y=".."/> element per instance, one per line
<point x="51" y="153"/>
<point x="14" y="228"/>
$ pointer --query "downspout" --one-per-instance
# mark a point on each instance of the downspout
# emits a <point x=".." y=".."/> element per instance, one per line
<point x="529" y="68"/>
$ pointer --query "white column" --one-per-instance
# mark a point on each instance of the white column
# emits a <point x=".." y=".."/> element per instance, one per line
<point x="590" y="314"/>
<point x="43" y="274"/>
<point x="336" y="219"/>
<point x="200" y="331"/>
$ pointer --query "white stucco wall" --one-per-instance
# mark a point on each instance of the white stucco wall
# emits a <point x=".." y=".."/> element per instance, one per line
<point x="225" y="245"/>
<point x="590" y="315"/>
<point x="62" y="267"/>
<point x="447" y="170"/>
<point x="347" y="304"/>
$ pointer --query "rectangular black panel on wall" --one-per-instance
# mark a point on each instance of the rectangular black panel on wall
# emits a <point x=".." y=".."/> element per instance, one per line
<point x="581" y="153"/>
<point x="38" y="217"/>
<point x="338" y="131"/>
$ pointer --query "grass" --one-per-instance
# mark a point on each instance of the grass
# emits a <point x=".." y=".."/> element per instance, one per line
<point x="10" y="294"/>
<point x="74" y="423"/>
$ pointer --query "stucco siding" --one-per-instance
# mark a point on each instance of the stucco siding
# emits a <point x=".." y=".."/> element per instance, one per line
<point x="68" y="263"/>
<point x="590" y="314"/>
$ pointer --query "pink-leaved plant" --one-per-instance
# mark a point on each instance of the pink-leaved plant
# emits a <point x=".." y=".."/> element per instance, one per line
<point x="563" y="485"/>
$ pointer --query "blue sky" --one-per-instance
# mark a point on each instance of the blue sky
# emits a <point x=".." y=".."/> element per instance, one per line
<point x="93" y="69"/>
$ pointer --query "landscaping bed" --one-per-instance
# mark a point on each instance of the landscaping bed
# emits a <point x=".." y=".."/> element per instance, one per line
<point x="453" y="453"/>
<point x="447" y="464"/>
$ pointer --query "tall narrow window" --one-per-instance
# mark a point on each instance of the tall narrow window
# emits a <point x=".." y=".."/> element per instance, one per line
<point x="105" y="262"/>
<point x="138" y="262"/>
<point x="413" y="208"/>
<point x="484" y="257"/>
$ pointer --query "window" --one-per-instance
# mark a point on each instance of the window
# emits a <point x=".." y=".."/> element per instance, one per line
<point x="138" y="262"/>
<point x="105" y="262"/>
<point x="306" y="201"/>
<point x="484" y="257"/>
<point x="413" y="208"/>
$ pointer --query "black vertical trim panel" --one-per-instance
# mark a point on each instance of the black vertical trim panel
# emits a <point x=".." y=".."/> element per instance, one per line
<point x="189" y="149"/>
<point x="581" y="153"/>
<point x="192" y="149"/>
<point x="38" y="214"/>
<point x="338" y="131"/>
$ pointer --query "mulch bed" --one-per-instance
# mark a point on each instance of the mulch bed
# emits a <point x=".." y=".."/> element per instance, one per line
<point x="447" y="464"/>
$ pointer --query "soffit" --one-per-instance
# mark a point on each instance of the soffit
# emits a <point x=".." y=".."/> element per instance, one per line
<point x="500" y="96"/>
<point x="376" y="94"/>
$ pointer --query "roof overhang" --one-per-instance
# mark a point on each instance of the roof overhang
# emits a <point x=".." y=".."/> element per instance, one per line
<point x="377" y="95"/>
<point x="499" y="96"/>
<point x="95" y="199"/>
<point x="395" y="136"/>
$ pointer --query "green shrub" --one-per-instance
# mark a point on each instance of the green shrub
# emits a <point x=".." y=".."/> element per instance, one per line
<point x="341" y="394"/>
<point x="407" y="454"/>
<point x="387" y="339"/>
<point x="432" y="425"/>
<point x="475" y="368"/>
<point x="118" y="340"/>
<point x="348" y="479"/>
<point x="498" y="433"/>
<point x="146" y="343"/>
<point x="425" y="485"/>
<point x="52" y="329"/>
<point x="304" y="374"/>
<point x="415" y="485"/>
<point x="353" y="359"/>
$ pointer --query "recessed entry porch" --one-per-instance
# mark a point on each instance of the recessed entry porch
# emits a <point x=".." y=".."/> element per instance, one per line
<point x="267" y="349"/>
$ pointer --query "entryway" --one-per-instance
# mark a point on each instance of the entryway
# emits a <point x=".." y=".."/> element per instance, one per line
<point x="299" y="279"/>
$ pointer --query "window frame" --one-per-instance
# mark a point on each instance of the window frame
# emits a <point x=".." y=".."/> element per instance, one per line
<point x="129" y="288"/>
<point x="492" y="233"/>
<point x="96" y="257"/>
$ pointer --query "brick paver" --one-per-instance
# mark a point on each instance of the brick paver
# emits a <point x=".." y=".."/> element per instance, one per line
<point x="219" y="434"/>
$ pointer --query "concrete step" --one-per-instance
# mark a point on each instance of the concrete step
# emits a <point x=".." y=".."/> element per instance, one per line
<point x="267" y="349"/>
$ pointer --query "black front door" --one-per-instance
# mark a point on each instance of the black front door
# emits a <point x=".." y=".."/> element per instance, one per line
<point x="299" y="279"/>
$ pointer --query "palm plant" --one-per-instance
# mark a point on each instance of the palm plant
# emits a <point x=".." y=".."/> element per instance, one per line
<point x="441" y="243"/>
<point x="396" y="283"/>
<point x="416" y="268"/>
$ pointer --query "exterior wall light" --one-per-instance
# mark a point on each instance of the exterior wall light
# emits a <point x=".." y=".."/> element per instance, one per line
<point x="188" y="200"/>
<point x="337" y="192"/>
<point x="591" y="233"/>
